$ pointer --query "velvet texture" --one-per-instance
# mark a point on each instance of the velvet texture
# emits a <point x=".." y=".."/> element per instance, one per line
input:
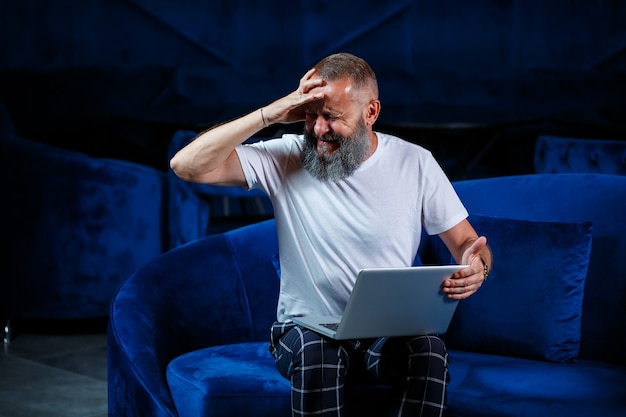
<point x="596" y="198"/>
<point x="80" y="225"/>
<point x="543" y="270"/>
<point x="241" y="380"/>
<point x="188" y="332"/>
<point x="492" y="385"/>
<point x="554" y="154"/>
<point x="204" y="382"/>
<point x="76" y="228"/>
<point x="218" y="290"/>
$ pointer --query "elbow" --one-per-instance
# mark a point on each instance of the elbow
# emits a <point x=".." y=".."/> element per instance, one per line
<point x="178" y="167"/>
<point x="175" y="165"/>
<point x="187" y="170"/>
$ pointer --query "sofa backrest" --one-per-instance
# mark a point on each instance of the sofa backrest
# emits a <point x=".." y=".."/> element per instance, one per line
<point x="76" y="227"/>
<point x="555" y="154"/>
<point x="255" y="248"/>
<point x="598" y="198"/>
<point x="219" y="289"/>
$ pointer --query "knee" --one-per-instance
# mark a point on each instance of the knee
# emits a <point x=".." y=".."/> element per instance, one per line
<point x="430" y="344"/>
<point x="310" y="350"/>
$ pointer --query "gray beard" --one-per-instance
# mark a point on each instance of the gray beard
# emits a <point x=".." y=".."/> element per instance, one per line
<point x="340" y="165"/>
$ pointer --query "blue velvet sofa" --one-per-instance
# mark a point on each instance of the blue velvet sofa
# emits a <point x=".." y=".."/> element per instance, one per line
<point x="545" y="335"/>
<point x="76" y="227"/>
<point x="560" y="154"/>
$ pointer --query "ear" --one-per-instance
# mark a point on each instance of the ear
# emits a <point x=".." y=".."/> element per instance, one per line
<point x="371" y="112"/>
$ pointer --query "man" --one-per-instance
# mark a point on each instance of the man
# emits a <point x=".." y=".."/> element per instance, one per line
<point x="345" y="197"/>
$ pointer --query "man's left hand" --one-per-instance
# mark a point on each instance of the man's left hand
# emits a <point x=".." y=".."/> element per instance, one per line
<point x="467" y="281"/>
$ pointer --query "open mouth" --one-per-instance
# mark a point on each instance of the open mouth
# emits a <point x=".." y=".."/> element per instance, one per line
<point x="328" y="140"/>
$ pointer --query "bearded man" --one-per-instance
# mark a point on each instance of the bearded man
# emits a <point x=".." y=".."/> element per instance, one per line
<point x="345" y="197"/>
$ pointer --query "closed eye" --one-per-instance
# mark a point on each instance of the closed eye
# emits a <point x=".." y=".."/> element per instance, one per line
<point x="326" y="116"/>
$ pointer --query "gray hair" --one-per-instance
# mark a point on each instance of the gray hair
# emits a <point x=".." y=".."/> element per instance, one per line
<point x="345" y="65"/>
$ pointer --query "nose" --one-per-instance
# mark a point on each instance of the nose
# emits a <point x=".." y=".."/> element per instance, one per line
<point x="321" y="126"/>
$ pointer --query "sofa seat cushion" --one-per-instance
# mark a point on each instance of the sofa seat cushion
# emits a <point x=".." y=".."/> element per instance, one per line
<point x="242" y="380"/>
<point x="228" y="380"/>
<point x="492" y="385"/>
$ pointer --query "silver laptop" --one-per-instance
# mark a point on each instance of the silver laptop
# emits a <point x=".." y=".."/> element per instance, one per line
<point x="391" y="302"/>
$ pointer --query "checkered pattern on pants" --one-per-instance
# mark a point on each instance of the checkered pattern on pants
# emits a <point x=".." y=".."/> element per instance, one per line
<point x="416" y="367"/>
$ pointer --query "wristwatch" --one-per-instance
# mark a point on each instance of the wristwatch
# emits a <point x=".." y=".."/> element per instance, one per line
<point x="485" y="269"/>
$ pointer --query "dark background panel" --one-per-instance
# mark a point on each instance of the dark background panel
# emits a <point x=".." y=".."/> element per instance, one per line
<point x="474" y="81"/>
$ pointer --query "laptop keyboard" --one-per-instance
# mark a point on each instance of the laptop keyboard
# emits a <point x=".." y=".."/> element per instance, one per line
<point x="331" y="326"/>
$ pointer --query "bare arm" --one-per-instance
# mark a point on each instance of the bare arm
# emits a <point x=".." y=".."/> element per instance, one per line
<point x="211" y="158"/>
<point x="467" y="248"/>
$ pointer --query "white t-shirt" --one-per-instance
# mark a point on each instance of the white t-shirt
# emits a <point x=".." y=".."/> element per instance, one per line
<point x="328" y="231"/>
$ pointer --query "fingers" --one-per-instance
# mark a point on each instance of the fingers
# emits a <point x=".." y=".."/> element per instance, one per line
<point x="459" y="292"/>
<point x="463" y="283"/>
<point x="467" y="281"/>
<point x="478" y="244"/>
<point x="309" y="82"/>
<point x="290" y="108"/>
<point x="472" y="252"/>
<point x="307" y="77"/>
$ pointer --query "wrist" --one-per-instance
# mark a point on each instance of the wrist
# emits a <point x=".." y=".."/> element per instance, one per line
<point x="263" y="119"/>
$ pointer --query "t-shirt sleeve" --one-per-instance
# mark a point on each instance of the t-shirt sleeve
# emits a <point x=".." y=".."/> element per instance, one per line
<point x="263" y="162"/>
<point x="249" y="157"/>
<point x="442" y="207"/>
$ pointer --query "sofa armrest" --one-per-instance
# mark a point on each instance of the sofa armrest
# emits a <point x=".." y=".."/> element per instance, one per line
<point x="209" y="292"/>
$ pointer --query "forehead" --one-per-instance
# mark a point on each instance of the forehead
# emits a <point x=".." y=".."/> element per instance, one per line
<point x="339" y="96"/>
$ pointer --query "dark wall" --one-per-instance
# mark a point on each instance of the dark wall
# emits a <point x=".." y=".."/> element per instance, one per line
<point x="128" y="72"/>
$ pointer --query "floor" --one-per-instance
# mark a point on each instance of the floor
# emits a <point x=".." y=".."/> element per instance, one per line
<point x="52" y="370"/>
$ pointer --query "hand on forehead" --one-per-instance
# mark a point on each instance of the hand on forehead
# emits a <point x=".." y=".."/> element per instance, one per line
<point x="337" y="91"/>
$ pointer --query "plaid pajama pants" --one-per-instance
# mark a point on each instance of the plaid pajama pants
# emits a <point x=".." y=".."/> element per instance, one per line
<point x="416" y="367"/>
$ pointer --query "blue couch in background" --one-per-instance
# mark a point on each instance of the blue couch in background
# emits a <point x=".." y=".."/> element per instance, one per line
<point x="76" y="227"/>
<point x="558" y="154"/>
<point x="545" y="336"/>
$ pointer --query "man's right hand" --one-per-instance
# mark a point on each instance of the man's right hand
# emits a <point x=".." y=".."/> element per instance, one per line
<point x="290" y="109"/>
<point x="211" y="158"/>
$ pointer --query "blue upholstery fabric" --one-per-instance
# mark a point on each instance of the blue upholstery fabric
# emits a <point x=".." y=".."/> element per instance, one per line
<point x="218" y="290"/>
<point x="554" y="154"/>
<point x="183" y="308"/>
<point x="595" y="198"/>
<point x="544" y="267"/>
<point x="204" y="382"/>
<point x="76" y="227"/>
<point x="491" y="385"/>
